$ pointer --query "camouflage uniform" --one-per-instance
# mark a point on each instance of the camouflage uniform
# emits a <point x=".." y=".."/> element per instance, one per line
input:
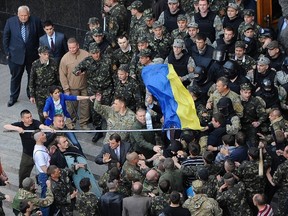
<point x="42" y="76"/>
<point x="118" y="58"/>
<point x="159" y="203"/>
<point x="150" y="187"/>
<point x="254" y="110"/>
<point x="219" y="6"/>
<point x="116" y="23"/>
<point x="115" y="121"/>
<point x="235" y="98"/>
<point x="87" y="204"/>
<point x="248" y="172"/>
<point x="210" y="187"/>
<point x="62" y="191"/>
<point x="177" y="34"/>
<point x="33" y="198"/>
<point x="130" y="90"/>
<point x="280" y="178"/>
<point x="175" y="178"/>
<point x="202" y="205"/>
<point x="99" y="79"/>
<point x="187" y="6"/>
<point x="88" y="39"/>
<point x="162" y="46"/>
<point x="235" y="200"/>
<point x="134" y="27"/>
<point x="130" y="173"/>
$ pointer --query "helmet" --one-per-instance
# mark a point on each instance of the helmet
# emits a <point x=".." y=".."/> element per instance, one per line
<point x="201" y="73"/>
<point x="230" y="69"/>
<point x="285" y="64"/>
<point x="225" y="106"/>
<point x="219" y="55"/>
<point x="267" y="84"/>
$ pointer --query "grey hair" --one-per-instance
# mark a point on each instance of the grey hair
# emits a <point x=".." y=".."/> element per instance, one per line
<point x="23" y="7"/>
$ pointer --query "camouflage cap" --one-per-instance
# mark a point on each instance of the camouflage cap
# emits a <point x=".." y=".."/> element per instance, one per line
<point x="178" y="43"/>
<point x="240" y="44"/>
<point x="124" y="67"/>
<point x="145" y="53"/>
<point x="43" y="49"/>
<point x="248" y="12"/>
<point x="135" y="5"/>
<point x="233" y="5"/>
<point x="96" y="31"/>
<point x="173" y="1"/>
<point x="27" y="183"/>
<point x="93" y="48"/>
<point x="148" y="14"/>
<point x="273" y="44"/>
<point x="263" y="61"/>
<point x="247" y="27"/>
<point x="181" y="17"/>
<point x="142" y="40"/>
<point x="157" y="24"/>
<point x="197" y="186"/>
<point x="246" y="86"/>
<point x="93" y="20"/>
<point x="193" y="25"/>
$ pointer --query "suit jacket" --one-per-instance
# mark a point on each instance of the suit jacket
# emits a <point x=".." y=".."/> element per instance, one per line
<point x="124" y="149"/>
<point x="279" y="25"/>
<point x="60" y="46"/>
<point x="14" y="46"/>
<point x="136" y="205"/>
<point x="111" y="204"/>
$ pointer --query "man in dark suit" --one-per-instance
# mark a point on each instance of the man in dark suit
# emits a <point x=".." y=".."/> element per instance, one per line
<point x="113" y="152"/>
<point x="20" y="41"/>
<point x="56" y="41"/>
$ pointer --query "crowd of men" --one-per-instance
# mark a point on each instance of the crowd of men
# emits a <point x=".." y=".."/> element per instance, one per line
<point x="235" y="70"/>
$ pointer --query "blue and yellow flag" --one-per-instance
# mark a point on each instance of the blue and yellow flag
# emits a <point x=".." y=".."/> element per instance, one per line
<point x="176" y="102"/>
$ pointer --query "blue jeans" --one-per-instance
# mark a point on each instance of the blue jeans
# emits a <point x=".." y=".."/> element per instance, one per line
<point x="71" y="136"/>
<point x="42" y="178"/>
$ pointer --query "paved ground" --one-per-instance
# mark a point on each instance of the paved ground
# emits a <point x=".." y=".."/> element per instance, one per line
<point x="10" y="144"/>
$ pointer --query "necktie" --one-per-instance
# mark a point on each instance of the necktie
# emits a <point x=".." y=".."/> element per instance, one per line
<point x="117" y="152"/>
<point x="23" y="32"/>
<point x="52" y="44"/>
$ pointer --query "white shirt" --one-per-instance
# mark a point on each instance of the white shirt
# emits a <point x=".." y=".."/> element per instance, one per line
<point x="41" y="157"/>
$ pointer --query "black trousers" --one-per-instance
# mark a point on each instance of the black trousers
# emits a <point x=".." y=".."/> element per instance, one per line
<point x="16" y="72"/>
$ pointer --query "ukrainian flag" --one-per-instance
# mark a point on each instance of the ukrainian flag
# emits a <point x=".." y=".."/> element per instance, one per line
<point x="176" y="102"/>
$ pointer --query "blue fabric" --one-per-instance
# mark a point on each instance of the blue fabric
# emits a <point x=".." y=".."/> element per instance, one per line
<point x="71" y="136"/>
<point x="42" y="178"/>
<point x="50" y="109"/>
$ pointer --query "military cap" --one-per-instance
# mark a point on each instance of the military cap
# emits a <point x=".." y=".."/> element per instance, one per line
<point x="193" y="25"/>
<point x="43" y="49"/>
<point x="142" y="40"/>
<point x="93" y="20"/>
<point x="248" y="12"/>
<point x="124" y="67"/>
<point x="148" y="14"/>
<point x="247" y="27"/>
<point x="273" y="44"/>
<point x="135" y="5"/>
<point x="246" y="86"/>
<point x="228" y="176"/>
<point x="197" y="186"/>
<point x="240" y="44"/>
<point x="157" y="24"/>
<point x="173" y="1"/>
<point x="97" y="31"/>
<point x="93" y="48"/>
<point x="178" y="43"/>
<point x="233" y="5"/>
<point x="28" y="183"/>
<point x="181" y="17"/>
<point x="145" y="53"/>
<point x="263" y="61"/>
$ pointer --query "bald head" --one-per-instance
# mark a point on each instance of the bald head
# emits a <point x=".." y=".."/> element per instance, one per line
<point x="132" y="157"/>
<point x="152" y="175"/>
<point x="137" y="188"/>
